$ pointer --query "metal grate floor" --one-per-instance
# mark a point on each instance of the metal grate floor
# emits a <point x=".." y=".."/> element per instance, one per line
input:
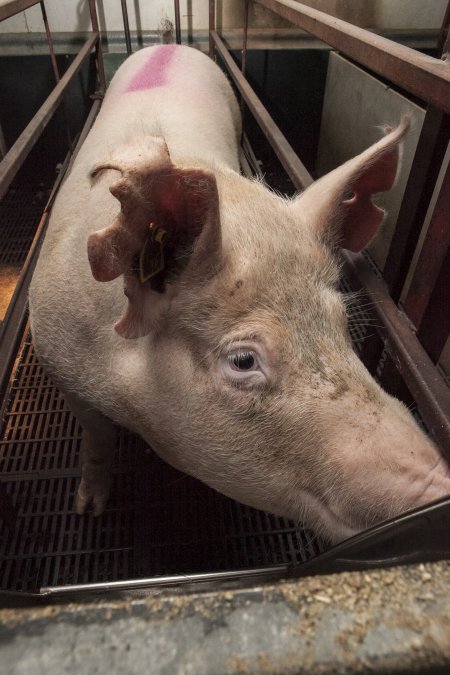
<point x="158" y="521"/>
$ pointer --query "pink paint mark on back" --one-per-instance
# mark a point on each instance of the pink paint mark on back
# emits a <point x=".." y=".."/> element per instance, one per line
<point x="154" y="71"/>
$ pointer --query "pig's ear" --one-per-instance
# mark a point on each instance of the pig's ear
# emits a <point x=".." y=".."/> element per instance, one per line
<point x="168" y="226"/>
<point x="339" y="205"/>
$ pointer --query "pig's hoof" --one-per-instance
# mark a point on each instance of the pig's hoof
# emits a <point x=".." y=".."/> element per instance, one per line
<point x="97" y="494"/>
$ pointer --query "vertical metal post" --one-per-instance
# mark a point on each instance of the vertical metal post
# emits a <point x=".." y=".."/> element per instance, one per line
<point x="444" y="34"/>
<point x="98" y="49"/>
<point x="212" y="26"/>
<point x="55" y="69"/>
<point x="3" y="146"/>
<point x="126" y="26"/>
<point x="177" y="22"/>
<point x="435" y="328"/>
<point x="425" y="169"/>
<point x="245" y="39"/>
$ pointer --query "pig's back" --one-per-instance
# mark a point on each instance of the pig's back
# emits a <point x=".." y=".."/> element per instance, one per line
<point x="177" y="93"/>
<point x="169" y="91"/>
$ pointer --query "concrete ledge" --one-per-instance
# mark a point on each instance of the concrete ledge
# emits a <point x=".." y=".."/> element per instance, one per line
<point x="384" y="621"/>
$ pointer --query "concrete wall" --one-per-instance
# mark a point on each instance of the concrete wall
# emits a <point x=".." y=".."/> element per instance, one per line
<point x="73" y="15"/>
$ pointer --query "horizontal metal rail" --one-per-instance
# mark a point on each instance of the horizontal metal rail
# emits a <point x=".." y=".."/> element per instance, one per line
<point x="296" y="171"/>
<point x="424" y="76"/>
<point x="15" y="157"/>
<point x="415" y="366"/>
<point x="14" y="7"/>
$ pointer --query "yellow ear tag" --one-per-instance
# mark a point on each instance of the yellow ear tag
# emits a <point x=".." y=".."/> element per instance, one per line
<point x="151" y="257"/>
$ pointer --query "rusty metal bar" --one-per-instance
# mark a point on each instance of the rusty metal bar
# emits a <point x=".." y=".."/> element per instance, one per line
<point x="19" y="151"/>
<point x="425" y="169"/>
<point x="431" y="258"/>
<point x="55" y="69"/>
<point x="291" y="163"/>
<point x="415" y="366"/>
<point x="435" y="327"/>
<point x="177" y="22"/>
<point x="8" y="9"/>
<point x="98" y="47"/>
<point x="12" y="327"/>
<point x="421" y="75"/>
<point x="126" y="26"/>
<point x="212" y="26"/>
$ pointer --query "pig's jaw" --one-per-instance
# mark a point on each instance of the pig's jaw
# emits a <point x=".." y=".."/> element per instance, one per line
<point x="324" y="520"/>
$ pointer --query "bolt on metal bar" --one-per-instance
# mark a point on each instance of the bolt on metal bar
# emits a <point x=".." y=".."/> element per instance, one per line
<point x="297" y="172"/>
<point x="126" y="26"/>
<point x="421" y="75"/>
<point x="177" y="22"/>
<point x="16" y="155"/>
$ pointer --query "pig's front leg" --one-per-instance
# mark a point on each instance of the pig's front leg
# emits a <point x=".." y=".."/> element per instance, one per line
<point x="97" y="452"/>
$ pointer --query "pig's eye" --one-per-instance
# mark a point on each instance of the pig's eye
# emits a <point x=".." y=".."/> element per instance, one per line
<point x="243" y="365"/>
<point x="243" y="360"/>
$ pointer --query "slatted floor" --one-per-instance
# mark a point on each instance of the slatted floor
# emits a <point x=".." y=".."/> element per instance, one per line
<point x="158" y="521"/>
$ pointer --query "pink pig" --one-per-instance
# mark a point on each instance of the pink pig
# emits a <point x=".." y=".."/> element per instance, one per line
<point x="218" y="332"/>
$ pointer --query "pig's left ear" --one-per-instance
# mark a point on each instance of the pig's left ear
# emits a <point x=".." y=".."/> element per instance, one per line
<point x="339" y="205"/>
<point x="168" y="227"/>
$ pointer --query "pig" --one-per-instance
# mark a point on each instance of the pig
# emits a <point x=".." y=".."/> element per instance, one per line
<point x="197" y="308"/>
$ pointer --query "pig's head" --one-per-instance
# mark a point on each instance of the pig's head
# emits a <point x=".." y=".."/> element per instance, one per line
<point x="255" y="388"/>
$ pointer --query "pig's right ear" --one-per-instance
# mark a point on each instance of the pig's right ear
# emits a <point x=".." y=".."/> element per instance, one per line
<point x="168" y="229"/>
<point x="339" y="205"/>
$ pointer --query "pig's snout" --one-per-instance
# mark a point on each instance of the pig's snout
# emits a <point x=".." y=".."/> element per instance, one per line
<point x="380" y="475"/>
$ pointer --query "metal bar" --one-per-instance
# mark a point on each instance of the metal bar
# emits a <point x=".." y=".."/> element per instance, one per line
<point x="177" y="22"/>
<point x="15" y="157"/>
<point x="98" y="46"/>
<point x="431" y="258"/>
<point x="421" y="75"/>
<point x="3" y="146"/>
<point x="16" y="317"/>
<point x="55" y="69"/>
<point x="245" y="39"/>
<point x="435" y="327"/>
<point x="444" y="34"/>
<point x="418" y="371"/>
<point x="425" y="169"/>
<point x="212" y="26"/>
<point x="296" y="171"/>
<point x="126" y="26"/>
<point x="8" y="9"/>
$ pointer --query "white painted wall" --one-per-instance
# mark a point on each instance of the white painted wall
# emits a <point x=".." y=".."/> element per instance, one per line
<point x="147" y="15"/>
